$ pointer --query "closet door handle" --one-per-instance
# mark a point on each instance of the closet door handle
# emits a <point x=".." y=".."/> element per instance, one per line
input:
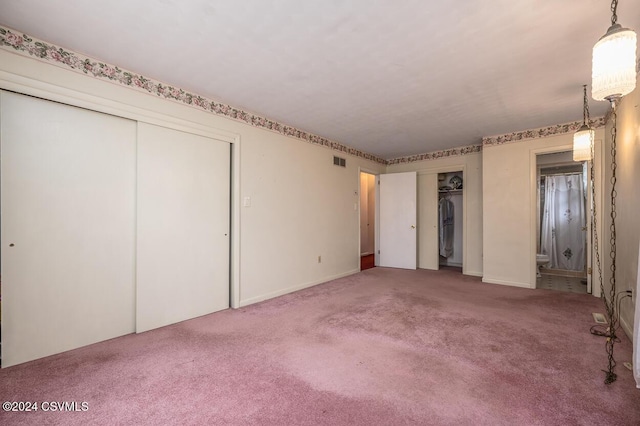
<point x="413" y="227"/>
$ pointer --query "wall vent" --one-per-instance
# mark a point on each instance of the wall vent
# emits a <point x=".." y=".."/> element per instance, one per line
<point x="599" y="318"/>
<point x="337" y="161"/>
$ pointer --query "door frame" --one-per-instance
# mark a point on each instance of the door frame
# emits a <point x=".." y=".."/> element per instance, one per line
<point x="435" y="170"/>
<point x="533" y="190"/>
<point x="146" y="109"/>
<point x="448" y="169"/>
<point x="360" y="209"/>
<point x="376" y="225"/>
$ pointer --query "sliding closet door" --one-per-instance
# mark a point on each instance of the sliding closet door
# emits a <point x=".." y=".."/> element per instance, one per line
<point x="68" y="215"/>
<point x="182" y="226"/>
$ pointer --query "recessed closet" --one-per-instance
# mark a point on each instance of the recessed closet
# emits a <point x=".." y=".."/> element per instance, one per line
<point x="109" y="226"/>
<point x="450" y="208"/>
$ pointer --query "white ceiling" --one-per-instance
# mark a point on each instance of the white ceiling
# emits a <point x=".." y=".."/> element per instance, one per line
<point x="389" y="77"/>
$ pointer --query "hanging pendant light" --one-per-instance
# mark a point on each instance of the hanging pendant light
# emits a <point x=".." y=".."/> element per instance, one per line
<point x="584" y="136"/>
<point x="614" y="61"/>
<point x="613" y="76"/>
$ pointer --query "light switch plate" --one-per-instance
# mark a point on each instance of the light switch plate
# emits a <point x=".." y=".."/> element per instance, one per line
<point x="246" y="201"/>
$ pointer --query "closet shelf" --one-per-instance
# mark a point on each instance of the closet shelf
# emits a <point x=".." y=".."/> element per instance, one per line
<point x="450" y="191"/>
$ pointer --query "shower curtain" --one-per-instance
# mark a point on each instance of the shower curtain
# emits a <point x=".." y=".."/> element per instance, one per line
<point x="563" y="239"/>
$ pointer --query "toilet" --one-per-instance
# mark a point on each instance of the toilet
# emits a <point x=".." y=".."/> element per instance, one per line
<point x="541" y="259"/>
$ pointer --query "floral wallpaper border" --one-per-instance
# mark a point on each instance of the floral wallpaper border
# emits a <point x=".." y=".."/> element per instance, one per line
<point x="558" y="129"/>
<point x="463" y="150"/>
<point x="28" y="46"/>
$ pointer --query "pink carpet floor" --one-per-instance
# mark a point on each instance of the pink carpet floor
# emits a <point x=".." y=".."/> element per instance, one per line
<point x="382" y="347"/>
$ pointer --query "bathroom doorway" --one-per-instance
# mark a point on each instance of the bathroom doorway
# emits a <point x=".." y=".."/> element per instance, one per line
<point x="562" y="223"/>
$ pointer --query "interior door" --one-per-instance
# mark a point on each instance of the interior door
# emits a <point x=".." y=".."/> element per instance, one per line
<point x="398" y="220"/>
<point x="182" y="226"/>
<point x="68" y="217"/>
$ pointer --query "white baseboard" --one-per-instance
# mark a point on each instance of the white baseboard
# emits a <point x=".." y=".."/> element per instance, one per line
<point x="503" y="282"/>
<point x="473" y="273"/>
<point x="628" y="329"/>
<point x="288" y="290"/>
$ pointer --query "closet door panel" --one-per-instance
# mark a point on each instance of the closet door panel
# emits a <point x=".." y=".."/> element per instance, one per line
<point x="182" y="226"/>
<point x="428" y="257"/>
<point x="68" y="215"/>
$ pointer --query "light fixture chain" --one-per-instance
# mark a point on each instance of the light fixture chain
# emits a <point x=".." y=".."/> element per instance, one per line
<point x="610" y="304"/>
<point x="594" y="203"/>
<point x="614" y="10"/>
<point x="585" y="109"/>
<point x="596" y="241"/>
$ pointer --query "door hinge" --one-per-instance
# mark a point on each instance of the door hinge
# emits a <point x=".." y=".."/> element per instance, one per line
<point x="589" y="270"/>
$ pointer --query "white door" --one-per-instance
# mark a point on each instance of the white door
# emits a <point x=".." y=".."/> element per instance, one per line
<point x="398" y="193"/>
<point x="68" y="237"/>
<point x="182" y="226"/>
<point x="428" y="236"/>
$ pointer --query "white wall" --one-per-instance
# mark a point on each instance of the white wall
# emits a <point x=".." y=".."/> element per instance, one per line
<point x="628" y="203"/>
<point x="302" y="206"/>
<point x="472" y="180"/>
<point x="556" y="158"/>
<point x="509" y="200"/>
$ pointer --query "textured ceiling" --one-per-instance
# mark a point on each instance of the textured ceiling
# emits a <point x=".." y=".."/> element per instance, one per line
<point x="388" y="77"/>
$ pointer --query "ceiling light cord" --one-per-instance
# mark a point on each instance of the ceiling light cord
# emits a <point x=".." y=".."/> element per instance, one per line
<point x="614" y="10"/>
<point x="585" y="108"/>
<point x="594" y="216"/>
<point x="610" y="305"/>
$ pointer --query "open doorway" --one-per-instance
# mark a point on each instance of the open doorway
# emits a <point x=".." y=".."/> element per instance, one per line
<point x="367" y="220"/>
<point x="450" y="219"/>
<point x="562" y="239"/>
